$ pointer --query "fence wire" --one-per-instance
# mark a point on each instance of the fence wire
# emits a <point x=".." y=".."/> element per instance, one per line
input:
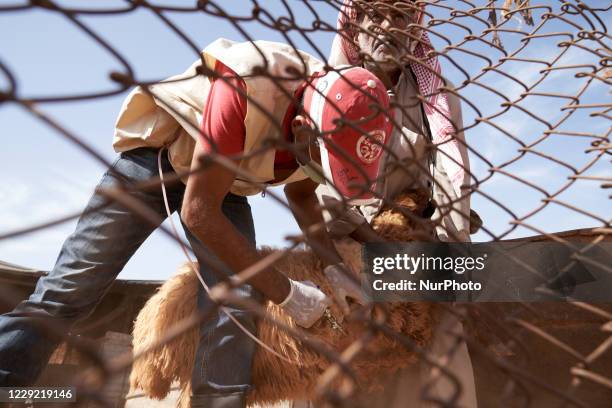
<point x="533" y="81"/>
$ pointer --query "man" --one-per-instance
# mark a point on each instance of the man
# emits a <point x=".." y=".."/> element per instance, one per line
<point x="242" y="112"/>
<point x="384" y="37"/>
<point x="395" y="51"/>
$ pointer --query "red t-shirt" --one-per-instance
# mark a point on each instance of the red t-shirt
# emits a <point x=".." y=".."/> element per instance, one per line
<point x="223" y="119"/>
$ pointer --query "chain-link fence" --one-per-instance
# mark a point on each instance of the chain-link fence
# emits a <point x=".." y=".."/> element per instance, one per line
<point x="508" y="105"/>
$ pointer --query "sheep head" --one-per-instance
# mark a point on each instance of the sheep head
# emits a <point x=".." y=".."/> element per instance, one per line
<point x="404" y="219"/>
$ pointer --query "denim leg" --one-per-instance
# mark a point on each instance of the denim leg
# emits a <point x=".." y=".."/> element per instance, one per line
<point x="89" y="261"/>
<point x="222" y="369"/>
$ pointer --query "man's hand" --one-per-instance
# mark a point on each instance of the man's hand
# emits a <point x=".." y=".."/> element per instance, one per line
<point x="305" y="304"/>
<point x="365" y="233"/>
<point x="343" y="286"/>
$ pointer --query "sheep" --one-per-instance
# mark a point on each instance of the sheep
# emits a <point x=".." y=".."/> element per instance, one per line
<point x="273" y="378"/>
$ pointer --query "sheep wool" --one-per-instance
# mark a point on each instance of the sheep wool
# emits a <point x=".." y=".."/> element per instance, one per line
<point x="275" y="379"/>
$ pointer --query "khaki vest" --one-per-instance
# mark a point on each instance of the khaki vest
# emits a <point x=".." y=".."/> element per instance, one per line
<point x="171" y="115"/>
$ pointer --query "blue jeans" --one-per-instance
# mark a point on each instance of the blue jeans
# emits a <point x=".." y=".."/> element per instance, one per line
<point x="90" y="260"/>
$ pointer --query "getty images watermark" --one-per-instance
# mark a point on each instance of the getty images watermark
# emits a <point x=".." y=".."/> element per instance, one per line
<point x="488" y="272"/>
<point x="409" y="264"/>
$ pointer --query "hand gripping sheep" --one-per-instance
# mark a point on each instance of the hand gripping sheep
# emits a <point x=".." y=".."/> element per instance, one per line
<point x="276" y="379"/>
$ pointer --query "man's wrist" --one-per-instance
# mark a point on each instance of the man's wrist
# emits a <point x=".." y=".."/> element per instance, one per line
<point x="365" y="233"/>
<point x="339" y="264"/>
<point x="290" y="295"/>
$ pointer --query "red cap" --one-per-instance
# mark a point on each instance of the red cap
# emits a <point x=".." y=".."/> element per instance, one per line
<point x="352" y="149"/>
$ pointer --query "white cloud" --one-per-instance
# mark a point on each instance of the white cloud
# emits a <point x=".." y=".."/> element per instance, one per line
<point x="29" y="202"/>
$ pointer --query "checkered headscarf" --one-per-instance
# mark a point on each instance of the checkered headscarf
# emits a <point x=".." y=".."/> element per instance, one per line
<point x="428" y="74"/>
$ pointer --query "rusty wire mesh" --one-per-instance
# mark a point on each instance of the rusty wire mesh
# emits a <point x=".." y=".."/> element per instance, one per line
<point x="533" y="78"/>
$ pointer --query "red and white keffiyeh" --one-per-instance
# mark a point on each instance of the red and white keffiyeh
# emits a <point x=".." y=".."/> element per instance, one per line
<point x="428" y="75"/>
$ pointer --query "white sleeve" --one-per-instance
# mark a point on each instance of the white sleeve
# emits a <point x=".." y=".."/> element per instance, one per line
<point x="455" y="226"/>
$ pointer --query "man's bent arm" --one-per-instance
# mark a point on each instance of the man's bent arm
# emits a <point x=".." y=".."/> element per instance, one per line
<point x="305" y="207"/>
<point x="202" y="214"/>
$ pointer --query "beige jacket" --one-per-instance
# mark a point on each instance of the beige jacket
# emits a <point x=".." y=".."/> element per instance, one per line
<point x="170" y="114"/>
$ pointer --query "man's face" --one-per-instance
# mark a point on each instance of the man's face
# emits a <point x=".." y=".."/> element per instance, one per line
<point x="383" y="26"/>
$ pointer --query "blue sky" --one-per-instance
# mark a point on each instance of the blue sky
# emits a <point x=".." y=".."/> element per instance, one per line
<point x="44" y="176"/>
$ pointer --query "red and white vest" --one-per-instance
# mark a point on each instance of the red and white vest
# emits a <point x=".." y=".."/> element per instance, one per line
<point x="170" y="114"/>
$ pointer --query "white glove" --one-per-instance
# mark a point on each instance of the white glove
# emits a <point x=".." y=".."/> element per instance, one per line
<point x="343" y="287"/>
<point x="305" y="304"/>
